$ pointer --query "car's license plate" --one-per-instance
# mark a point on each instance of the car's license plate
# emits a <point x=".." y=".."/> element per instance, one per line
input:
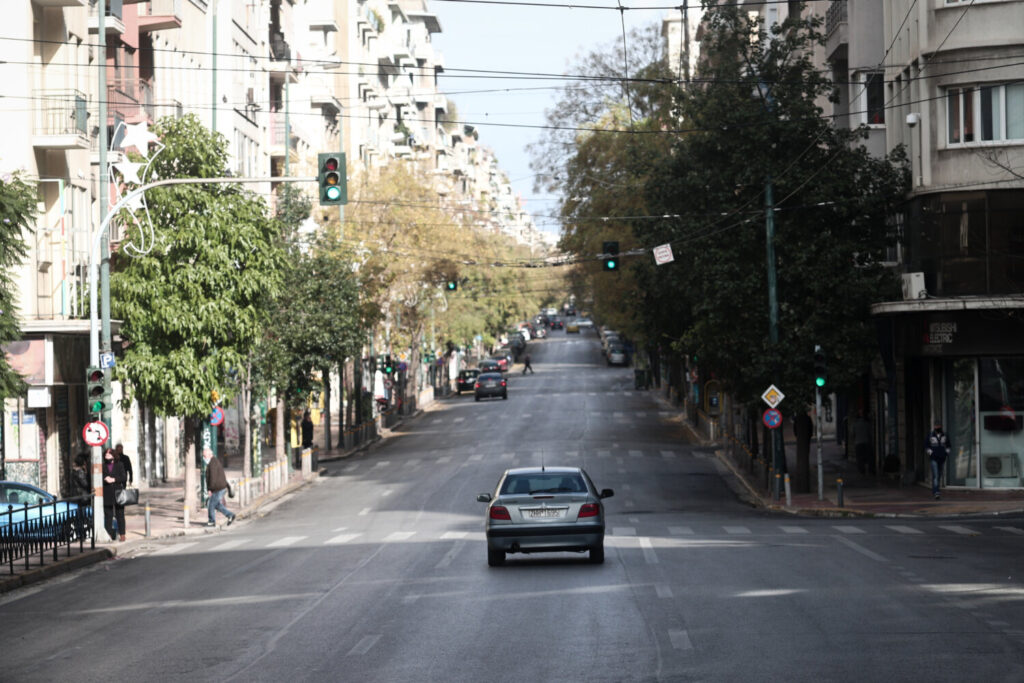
<point x="492" y="384"/>
<point x="545" y="513"/>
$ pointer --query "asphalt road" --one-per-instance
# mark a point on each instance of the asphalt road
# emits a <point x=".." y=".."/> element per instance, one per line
<point x="379" y="573"/>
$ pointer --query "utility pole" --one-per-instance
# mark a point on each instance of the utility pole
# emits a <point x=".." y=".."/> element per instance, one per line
<point x="778" y="446"/>
<point x="104" y="246"/>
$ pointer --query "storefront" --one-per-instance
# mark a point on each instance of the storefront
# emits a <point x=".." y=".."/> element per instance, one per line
<point x="961" y="362"/>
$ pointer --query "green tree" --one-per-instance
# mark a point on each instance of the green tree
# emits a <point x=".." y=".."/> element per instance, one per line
<point x="193" y="305"/>
<point x="17" y="216"/>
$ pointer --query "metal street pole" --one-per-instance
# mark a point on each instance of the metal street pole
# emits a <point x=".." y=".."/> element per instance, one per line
<point x="778" y="447"/>
<point x="103" y="246"/>
<point x="817" y="419"/>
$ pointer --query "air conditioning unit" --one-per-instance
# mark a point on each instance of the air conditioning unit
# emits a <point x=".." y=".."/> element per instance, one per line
<point x="913" y="286"/>
<point x="1000" y="465"/>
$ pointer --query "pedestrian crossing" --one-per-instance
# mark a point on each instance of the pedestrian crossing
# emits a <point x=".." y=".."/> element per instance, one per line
<point x="613" y="532"/>
<point x="470" y="421"/>
<point x="431" y="459"/>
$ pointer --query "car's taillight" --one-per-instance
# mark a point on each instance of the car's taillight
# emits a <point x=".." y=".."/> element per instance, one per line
<point x="500" y="512"/>
<point x="589" y="510"/>
<point x="477" y="385"/>
<point x="502" y="382"/>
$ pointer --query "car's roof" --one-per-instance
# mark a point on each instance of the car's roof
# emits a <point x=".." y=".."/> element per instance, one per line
<point x="496" y="375"/>
<point x="543" y="470"/>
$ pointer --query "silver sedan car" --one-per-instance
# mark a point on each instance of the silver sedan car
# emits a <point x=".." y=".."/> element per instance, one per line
<point x="544" y="509"/>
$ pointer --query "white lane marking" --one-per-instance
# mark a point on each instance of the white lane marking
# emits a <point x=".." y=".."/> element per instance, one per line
<point x="398" y="536"/>
<point x="340" y="528"/>
<point x="629" y="504"/>
<point x="680" y="531"/>
<point x="848" y="529"/>
<point x="623" y="531"/>
<point x="663" y="590"/>
<point x="458" y="419"/>
<point x="364" y="512"/>
<point x="449" y="535"/>
<point x="383" y="463"/>
<point x="1010" y="529"/>
<point x="284" y="542"/>
<point x="351" y="467"/>
<point x="794" y="529"/>
<point x="385" y="493"/>
<point x="900" y="529"/>
<point x="412" y="461"/>
<point x="592" y="393"/>
<point x="700" y="456"/>
<point x="444" y="458"/>
<point x="527" y="415"/>
<point x="364" y="645"/>
<point x="649" y="555"/>
<point x="634" y="520"/>
<point x="860" y="549"/>
<point x="507" y="456"/>
<point x="618" y="414"/>
<point x="736" y="530"/>
<point x="668" y="454"/>
<point x="343" y="538"/>
<point x="571" y="454"/>
<point x="476" y="458"/>
<point x="228" y="545"/>
<point x="171" y="550"/>
<point x="962" y="530"/>
<point x="411" y="598"/>
<point x="636" y="454"/>
<point x="680" y="640"/>
<point x="627" y="393"/>
<point x="436" y="421"/>
<point x="641" y="413"/>
<point x="603" y="454"/>
<point x="450" y="555"/>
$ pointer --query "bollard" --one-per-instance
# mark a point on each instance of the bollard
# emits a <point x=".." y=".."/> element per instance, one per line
<point x="789" y="493"/>
<point x="186" y="515"/>
<point x="839" y="492"/>
<point x="778" y="486"/>
<point x="149" y="528"/>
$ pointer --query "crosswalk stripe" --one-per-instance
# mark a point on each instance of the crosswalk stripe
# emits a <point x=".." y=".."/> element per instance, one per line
<point x="668" y="454"/>
<point x="680" y="640"/>
<point x="286" y="541"/>
<point x="444" y="459"/>
<point x="650" y="557"/>
<point x="848" y="529"/>
<point x="603" y="454"/>
<point x="627" y="393"/>
<point x="636" y="454"/>
<point x="343" y="538"/>
<point x="507" y="456"/>
<point x="680" y="531"/>
<point x="351" y="467"/>
<point x="618" y="414"/>
<point x="957" y="529"/>
<point x="736" y="530"/>
<point x="383" y="463"/>
<point x="476" y="458"/>
<point x="623" y="531"/>
<point x="571" y="454"/>
<point x="903" y="529"/>
<point x="662" y="590"/>
<point x="1010" y="529"/>
<point x="412" y="461"/>
<point x="171" y="550"/>
<point x="453" y="535"/>
<point x="228" y="545"/>
<point x="641" y="413"/>
<point x="396" y="536"/>
<point x="794" y="529"/>
<point x="458" y="419"/>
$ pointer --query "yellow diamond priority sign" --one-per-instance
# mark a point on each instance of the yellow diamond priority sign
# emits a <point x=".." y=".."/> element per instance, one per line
<point x="772" y="396"/>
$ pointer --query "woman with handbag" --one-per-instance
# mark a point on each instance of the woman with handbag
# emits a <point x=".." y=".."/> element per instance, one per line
<point x="114" y="479"/>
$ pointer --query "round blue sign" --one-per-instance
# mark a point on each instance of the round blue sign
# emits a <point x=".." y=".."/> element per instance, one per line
<point x="217" y="417"/>
<point x="772" y="418"/>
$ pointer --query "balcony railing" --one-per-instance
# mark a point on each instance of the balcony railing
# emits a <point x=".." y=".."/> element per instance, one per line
<point x="835" y="16"/>
<point x="61" y="112"/>
<point x="132" y="99"/>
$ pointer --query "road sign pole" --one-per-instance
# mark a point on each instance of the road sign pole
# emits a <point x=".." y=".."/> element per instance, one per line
<point x="817" y="420"/>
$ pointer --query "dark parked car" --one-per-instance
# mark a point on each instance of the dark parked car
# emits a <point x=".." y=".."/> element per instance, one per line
<point x="502" y="362"/>
<point x="466" y="380"/>
<point x="544" y="509"/>
<point x="488" y="365"/>
<point x="490" y="385"/>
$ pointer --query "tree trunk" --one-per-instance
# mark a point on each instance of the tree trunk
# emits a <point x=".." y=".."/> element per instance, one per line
<point x="191" y="472"/>
<point x="246" y="408"/>
<point x="327" y="408"/>
<point x="279" y="430"/>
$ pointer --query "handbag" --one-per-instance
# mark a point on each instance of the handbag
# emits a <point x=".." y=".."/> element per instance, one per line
<point x="126" y="496"/>
<point x="231" y="492"/>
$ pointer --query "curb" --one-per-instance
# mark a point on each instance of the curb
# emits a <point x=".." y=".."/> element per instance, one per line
<point x="83" y="559"/>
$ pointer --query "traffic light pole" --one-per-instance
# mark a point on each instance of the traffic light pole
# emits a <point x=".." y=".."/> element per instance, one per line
<point x="817" y="420"/>
<point x="778" y="446"/>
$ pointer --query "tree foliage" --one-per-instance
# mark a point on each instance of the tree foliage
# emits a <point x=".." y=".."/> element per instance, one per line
<point x="194" y="304"/>
<point x="17" y="217"/>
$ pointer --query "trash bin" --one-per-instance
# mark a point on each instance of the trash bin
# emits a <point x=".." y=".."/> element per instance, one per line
<point x="639" y="378"/>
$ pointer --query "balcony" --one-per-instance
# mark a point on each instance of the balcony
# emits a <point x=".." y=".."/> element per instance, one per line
<point x="113" y="22"/>
<point x="131" y="100"/>
<point x="61" y="120"/>
<point x="837" y="35"/>
<point x="161" y="15"/>
<point x="61" y="3"/>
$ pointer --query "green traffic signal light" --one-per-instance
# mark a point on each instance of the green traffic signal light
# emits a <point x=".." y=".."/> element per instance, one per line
<point x="97" y="389"/>
<point x="820" y="371"/>
<point x="451" y="285"/>
<point x="332" y="179"/>
<point x="611" y="253"/>
<point x="610" y="264"/>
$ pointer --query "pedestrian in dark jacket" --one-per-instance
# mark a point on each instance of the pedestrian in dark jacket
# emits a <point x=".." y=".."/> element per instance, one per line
<point x="114" y="479"/>
<point x="217" y="484"/>
<point x="80" y="483"/>
<point x="307" y="430"/>
<point x="126" y="461"/>
<point x="937" y="447"/>
<point x="526" y="364"/>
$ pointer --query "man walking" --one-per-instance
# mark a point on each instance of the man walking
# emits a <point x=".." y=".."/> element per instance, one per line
<point x="217" y="483"/>
<point x="937" y="448"/>
<point x="526" y="364"/>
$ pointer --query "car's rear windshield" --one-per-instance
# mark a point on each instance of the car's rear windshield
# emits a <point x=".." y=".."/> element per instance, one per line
<point x="544" y="482"/>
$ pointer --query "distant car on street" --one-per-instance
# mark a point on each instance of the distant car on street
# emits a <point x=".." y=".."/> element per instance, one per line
<point x="488" y="365"/>
<point x="556" y="323"/>
<point x="544" y="509"/>
<point x="585" y="322"/>
<point x="616" y="355"/>
<point x="466" y="380"/>
<point x="502" y="362"/>
<point x="490" y="385"/>
<point x="572" y="328"/>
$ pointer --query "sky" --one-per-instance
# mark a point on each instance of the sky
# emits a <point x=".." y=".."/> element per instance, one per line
<point x="496" y="37"/>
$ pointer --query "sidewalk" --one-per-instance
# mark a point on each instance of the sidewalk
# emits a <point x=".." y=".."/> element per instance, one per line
<point x="165" y="502"/>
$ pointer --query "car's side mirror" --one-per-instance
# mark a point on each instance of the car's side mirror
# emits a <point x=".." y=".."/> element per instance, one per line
<point x="484" y="498"/>
<point x="607" y="493"/>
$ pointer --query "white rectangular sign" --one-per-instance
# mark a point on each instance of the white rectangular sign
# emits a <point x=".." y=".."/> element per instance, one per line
<point x="663" y="254"/>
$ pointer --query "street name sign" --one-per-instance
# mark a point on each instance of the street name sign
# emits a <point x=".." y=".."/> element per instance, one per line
<point x="772" y="396"/>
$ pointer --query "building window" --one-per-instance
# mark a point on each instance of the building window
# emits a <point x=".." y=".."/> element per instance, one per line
<point x="872" y="104"/>
<point x="988" y="113"/>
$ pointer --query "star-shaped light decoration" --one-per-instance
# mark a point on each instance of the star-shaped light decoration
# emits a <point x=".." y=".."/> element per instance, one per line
<point x="130" y="171"/>
<point x="137" y="135"/>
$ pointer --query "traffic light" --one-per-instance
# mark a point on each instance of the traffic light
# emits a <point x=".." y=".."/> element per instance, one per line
<point x="611" y="255"/>
<point x="451" y="285"/>
<point x="820" y="373"/>
<point x="389" y="367"/>
<point x="97" y="390"/>
<point x="332" y="179"/>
